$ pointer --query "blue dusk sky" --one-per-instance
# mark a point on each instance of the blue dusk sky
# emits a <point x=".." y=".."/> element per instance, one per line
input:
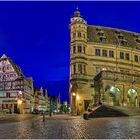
<point x="35" y="35"/>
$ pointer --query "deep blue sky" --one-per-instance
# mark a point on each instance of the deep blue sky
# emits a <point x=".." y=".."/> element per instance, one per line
<point x="35" y="35"/>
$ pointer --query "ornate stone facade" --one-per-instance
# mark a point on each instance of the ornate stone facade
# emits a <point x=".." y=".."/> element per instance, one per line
<point x="94" y="49"/>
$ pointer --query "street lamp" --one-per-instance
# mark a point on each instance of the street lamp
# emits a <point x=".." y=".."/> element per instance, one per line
<point x="73" y="94"/>
<point x="77" y="98"/>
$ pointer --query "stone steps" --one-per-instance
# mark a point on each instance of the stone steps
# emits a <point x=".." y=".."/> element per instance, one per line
<point x="114" y="111"/>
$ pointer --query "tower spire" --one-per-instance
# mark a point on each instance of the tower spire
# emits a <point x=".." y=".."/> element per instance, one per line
<point x="77" y="7"/>
<point x="77" y="13"/>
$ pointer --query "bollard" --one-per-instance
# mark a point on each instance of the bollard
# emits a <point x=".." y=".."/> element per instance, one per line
<point x="33" y="123"/>
<point x="43" y="117"/>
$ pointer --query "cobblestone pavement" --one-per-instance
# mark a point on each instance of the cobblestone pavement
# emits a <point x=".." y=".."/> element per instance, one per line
<point x="8" y="118"/>
<point x="66" y="127"/>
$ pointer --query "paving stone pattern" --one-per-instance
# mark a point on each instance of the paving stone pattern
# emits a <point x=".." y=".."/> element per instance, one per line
<point x="66" y="127"/>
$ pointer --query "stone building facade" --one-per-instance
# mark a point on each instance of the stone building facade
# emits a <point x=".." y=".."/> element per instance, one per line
<point x="94" y="49"/>
<point x="16" y="90"/>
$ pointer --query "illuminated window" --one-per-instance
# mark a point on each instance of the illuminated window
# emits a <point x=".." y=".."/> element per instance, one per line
<point x="104" y="52"/>
<point x="121" y="55"/>
<point x="111" y="53"/>
<point x="136" y="58"/>
<point x="97" y="52"/>
<point x="127" y="56"/>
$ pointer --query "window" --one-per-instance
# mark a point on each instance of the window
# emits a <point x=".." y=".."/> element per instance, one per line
<point x="84" y="36"/>
<point x="123" y="43"/>
<point x="127" y="56"/>
<point x="4" y="77"/>
<point x="97" y="52"/>
<point x="98" y="29"/>
<point x="120" y="36"/>
<point x="80" y="68"/>
<point x="117" y="32"/>
<point x="74" y="49"/>
<point x="136" y="58"/>
<point x="100" y="33"/>
<point x="74" y="35"/>
<point x="102" y="39"/>
<point x="84" y="68"/>
<point x="121" y="55"/>
<point x="84" y="50"/>
<point x="7" y="94"/>
<point x="12" y="94"/>
<point x="4" y="69"/>
<point x="79" y="49"/>
<point x="74" y="68"/>
<point x="138" y="40"/>
<point x="1" y="94"/>
<point x="111" y="53"/>
<point x="79" y="34"/>
<point x="104" y="52"/>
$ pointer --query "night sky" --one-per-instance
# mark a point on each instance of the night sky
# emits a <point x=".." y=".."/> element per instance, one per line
<point x="35" y="35"/>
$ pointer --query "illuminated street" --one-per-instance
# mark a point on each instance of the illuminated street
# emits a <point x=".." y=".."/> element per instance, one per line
<point x="64" y="126"/>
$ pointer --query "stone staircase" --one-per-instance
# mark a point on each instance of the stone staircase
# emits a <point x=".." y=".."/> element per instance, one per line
<point x="130" y="111"/>
<point x="111" y="111"/>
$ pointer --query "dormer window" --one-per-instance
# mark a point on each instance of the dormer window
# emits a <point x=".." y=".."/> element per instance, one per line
<point x="98" y="29"/>
<point x="103" y="39"/>
<point x="135" y="35"/>
<point x="100" y="33"/>
<point x="123" y="43"/>
<point x="120" y="36"/>
<point x="117" y="32"/>
<point x="138" y="40"/>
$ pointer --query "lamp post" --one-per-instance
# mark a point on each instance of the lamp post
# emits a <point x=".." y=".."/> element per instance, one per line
<point x="73" y="103"/>
<point x="77" y="98"/>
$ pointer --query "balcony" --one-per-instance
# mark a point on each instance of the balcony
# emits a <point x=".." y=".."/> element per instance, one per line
<point x="117" y="76"/>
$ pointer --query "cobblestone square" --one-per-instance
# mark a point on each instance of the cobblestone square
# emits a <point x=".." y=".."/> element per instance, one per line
<point x="70" y="127"/>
